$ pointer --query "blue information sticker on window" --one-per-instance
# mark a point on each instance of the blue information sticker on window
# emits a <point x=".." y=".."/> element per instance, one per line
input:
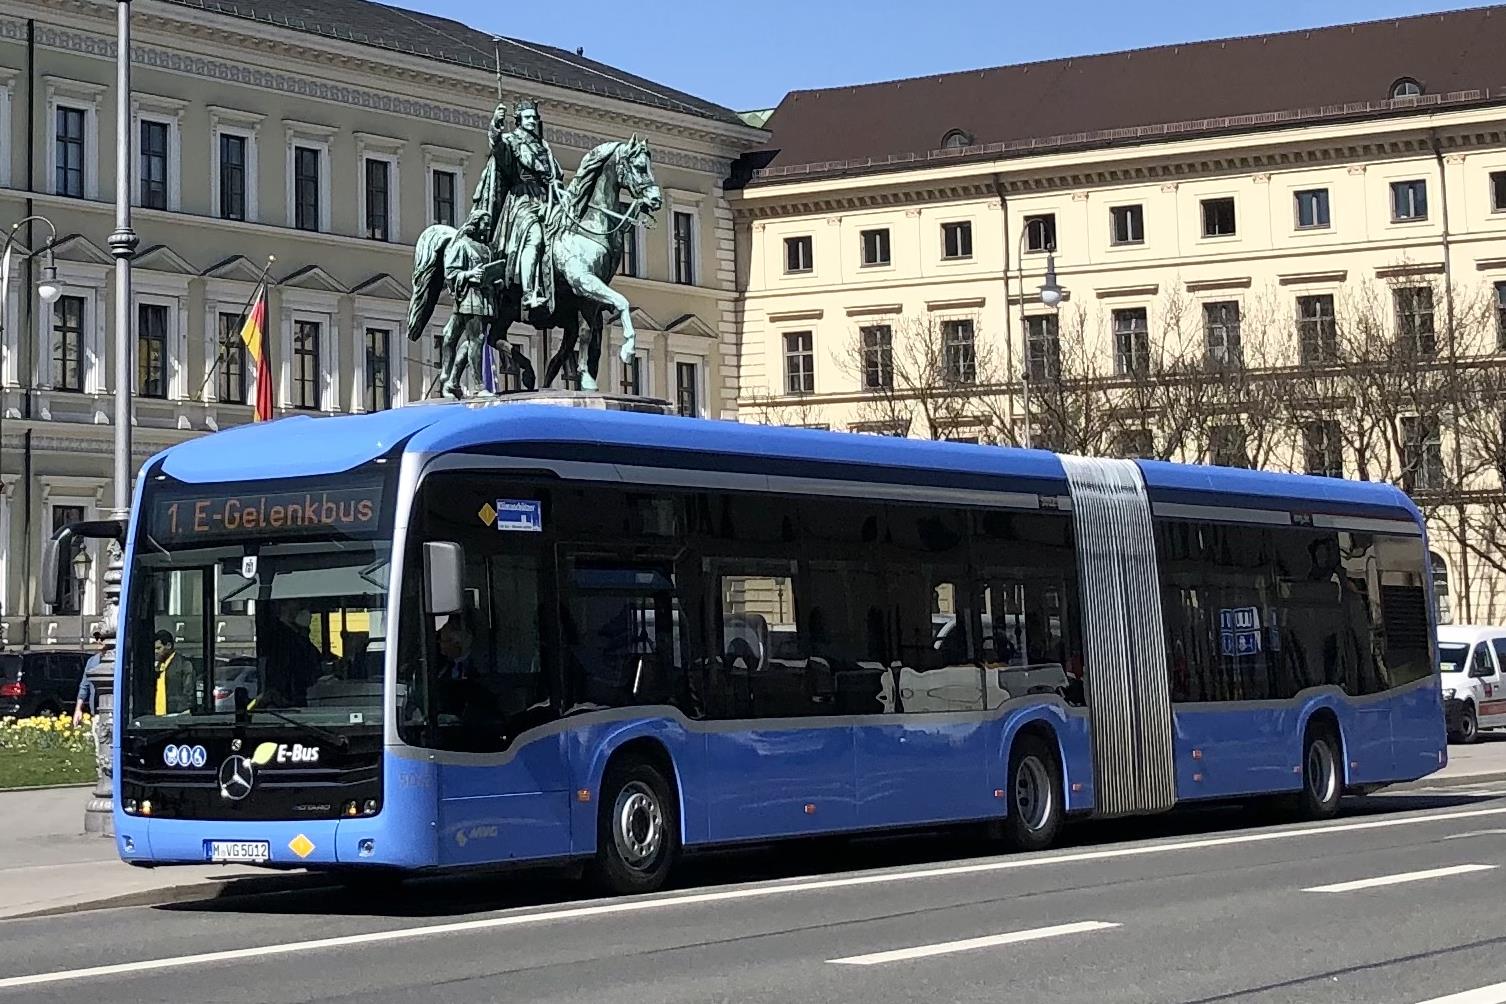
<point x="521" y="515"/>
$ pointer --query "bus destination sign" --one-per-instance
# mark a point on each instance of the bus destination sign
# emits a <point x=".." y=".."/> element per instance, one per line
<point x="186" y="518"/>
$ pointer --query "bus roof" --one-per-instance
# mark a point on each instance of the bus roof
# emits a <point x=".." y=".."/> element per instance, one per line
<point x="305" y="446"/>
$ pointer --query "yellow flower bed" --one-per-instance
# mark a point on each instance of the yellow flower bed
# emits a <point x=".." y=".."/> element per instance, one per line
<point x="46" y="734"/>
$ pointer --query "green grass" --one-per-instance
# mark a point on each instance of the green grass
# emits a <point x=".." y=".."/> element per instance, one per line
<point x="27" y="770"/>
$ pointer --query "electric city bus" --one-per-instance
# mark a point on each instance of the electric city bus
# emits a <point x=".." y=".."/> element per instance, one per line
<point x="459" y="634"/>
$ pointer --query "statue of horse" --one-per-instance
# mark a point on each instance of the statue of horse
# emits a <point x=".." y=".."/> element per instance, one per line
<point x="587" y="227"/>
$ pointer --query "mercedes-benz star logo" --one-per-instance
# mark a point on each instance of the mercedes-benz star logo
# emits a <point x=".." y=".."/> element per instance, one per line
<point x="237" y="775"/>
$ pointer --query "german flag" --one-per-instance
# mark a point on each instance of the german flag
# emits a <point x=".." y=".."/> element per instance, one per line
<point x="253" y="334"/>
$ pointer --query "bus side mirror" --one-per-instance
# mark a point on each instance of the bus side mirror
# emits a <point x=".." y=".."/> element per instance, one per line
<point x="56" y="571"/>
<point x="444" y="592"/>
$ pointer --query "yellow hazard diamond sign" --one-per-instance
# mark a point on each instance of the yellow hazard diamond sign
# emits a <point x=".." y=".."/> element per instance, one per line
<point x="301" y="846"/>
<point x="488" y="514"/>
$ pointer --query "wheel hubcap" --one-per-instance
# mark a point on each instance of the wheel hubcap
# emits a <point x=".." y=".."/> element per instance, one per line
<point x="1032" y="793"/>
<point x="1321" y="775"/>
<point x="638" y="825"/>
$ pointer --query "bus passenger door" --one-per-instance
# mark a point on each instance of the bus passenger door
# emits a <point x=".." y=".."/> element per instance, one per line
<point x="777" y="763"/>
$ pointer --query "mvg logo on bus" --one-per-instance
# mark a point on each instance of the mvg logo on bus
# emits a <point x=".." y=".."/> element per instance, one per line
<point x="1239" y="631"/>
<point x="520" y="515"/>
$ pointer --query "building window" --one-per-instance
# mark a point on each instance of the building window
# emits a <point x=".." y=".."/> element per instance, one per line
<point x="1409" y="201"/>
<point x="1406" y="87"/>
<point x="1134" y="444"/>
<point x="684" y="248"/>
<point x="1414" y="320"/>
<point x="154" y="165"/>
<point x="875" y="247"/>
<point x="1498" y="192"/>
<point x="306" y="187"/>
<point x="956" y="139"/>
<point x="878" y="357"/>
<point x="688" y="389"/>
<point x="631" y="383"/>
<point x="1501" y="317"/>
<point x="959" y="352"/>
<point x="71" y="600"/>
<point x="232" y="177"/>
<point x="799" y="363"/>
<point x="379" y="369"/>
<point x="1221" y="329"/>
<point x="1131" y="342"/>
<point x="1317" y="331"/>
<point x="957" y="240"/>
<point x="151" y="350"/>
<point x="1323" y="449"/>
<point x="306" y="336"/>
<point x="1421" y="454"/>
<point x="232" y="358"/>
<point x="1440" y="588"/>
<point x="1218" y="218"/>
<point x="1312" y="209"/>
<point x="1227" y="446"/>
<point x="378" y="210"/>
<point x="1128" y="224"/>
<point x="444" y="197"/>
<point x="632" y="253"/>
<point x="1043" y="347"/>
<point x="798" y="254"/>
<point x="70" y="152"/>
<point x="68" y="343"/>
<point x="1040" y="232"/>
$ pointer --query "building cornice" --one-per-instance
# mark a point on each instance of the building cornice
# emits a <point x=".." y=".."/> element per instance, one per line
<point x="283" y="46"/>
<point x="1171" y="161"/>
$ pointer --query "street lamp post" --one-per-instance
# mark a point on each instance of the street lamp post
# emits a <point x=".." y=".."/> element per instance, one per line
<point x="1051" y="293"/>
<point x="48" y="289"/>
<point x="99" y="814"/>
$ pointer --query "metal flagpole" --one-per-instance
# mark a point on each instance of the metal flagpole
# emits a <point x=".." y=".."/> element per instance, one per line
<point x="261" y="283"/>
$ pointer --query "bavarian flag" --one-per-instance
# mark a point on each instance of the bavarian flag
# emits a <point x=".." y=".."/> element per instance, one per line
<point x="254" y="335"/>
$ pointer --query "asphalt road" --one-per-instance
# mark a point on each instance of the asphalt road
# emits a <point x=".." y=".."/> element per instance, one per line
<point x="1399" y="900"/>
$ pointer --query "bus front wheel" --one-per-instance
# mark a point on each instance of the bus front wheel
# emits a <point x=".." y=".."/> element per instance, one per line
<point x="1322" y="779"/>
<point x="1036" y="805"/>
<point x="638" y="829"/>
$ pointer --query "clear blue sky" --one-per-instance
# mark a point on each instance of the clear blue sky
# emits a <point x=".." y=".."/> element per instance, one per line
<point x="748" y="55"/>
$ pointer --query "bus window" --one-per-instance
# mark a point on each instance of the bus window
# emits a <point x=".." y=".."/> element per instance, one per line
<point x="760" y="663"/>
<point x="619" y="627"/>
<point x="843" y="611"/>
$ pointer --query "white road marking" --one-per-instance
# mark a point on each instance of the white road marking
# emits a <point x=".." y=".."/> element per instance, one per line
<point x="1400" y="878"/>
<point x="1474" y="833"/>
<point x="616" y="907"/>
<point x="948" y="947"/>
<point x="1493" y="994"/>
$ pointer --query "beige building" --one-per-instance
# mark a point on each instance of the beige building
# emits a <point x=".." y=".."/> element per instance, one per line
<point x="1286" y="251"/>
<point x="329" y="144"/>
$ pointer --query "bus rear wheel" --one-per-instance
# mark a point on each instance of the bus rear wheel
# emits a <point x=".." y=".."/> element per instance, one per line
<point x="1322" y="782"/>
<point x="638" y="829"/>
<point x="1036" y="805"/>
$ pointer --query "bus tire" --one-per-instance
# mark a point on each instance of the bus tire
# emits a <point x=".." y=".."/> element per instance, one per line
<point x="637" y="831"/>
<point x="1036" y="804"/>
<point x="1322" y="777"/>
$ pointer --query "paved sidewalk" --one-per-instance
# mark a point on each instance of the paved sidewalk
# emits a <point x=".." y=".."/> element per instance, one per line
<point x="48" y="864"/>
<point x="1477" y="763"/>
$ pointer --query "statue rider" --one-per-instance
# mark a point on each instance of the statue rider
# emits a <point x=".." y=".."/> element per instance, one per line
<point x="520" y="183"/>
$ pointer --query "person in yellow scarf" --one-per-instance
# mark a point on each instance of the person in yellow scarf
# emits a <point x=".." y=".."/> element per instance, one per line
<point x="174" y="687"/>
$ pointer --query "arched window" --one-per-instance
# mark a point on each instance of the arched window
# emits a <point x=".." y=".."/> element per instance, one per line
<point x="1406" y="87"/>
<point x="956" y="140"/>
<point x="1442" y="607"/>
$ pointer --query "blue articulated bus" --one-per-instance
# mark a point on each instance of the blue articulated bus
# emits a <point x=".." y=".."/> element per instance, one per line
<point x="457" y="635"/>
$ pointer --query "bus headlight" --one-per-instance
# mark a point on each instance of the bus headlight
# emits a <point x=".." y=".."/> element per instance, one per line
<point x="370" y="807"/>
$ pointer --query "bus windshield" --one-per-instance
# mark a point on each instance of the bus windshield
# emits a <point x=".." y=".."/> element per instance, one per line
<point x="274" y="630"/>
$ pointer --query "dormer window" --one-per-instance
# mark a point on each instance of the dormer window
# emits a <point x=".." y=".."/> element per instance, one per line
<point x="1406" y="87"/>
<point x="956" y="140"/>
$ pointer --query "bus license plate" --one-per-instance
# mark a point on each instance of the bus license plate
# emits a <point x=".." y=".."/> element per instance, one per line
<point x="239" y="850"/>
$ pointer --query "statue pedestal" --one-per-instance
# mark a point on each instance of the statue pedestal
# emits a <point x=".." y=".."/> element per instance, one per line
<point x="577" y="399"/>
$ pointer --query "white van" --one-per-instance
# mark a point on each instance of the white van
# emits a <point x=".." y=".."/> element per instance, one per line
<point x="1473" y="664"/>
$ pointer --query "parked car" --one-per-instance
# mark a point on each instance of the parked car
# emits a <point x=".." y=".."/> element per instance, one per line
<point x="1473" y="664"/>
<point x="41" y="682"/>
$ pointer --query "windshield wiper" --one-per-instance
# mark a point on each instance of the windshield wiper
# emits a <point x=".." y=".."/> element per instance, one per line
<point x="318" y="730"/>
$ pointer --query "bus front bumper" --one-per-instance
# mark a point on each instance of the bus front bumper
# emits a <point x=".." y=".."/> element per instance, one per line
<point x="313" y="843"/>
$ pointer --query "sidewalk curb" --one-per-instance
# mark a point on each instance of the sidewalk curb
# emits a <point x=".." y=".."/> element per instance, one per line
<point x="47" y="787"/>
<point x="202" y="890"/>
<point x="1457" y="781"/>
